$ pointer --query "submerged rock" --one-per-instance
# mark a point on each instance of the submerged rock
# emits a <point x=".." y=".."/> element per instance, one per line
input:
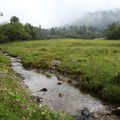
<point x="83" y="115"/>
<point x="44" y="90"/>
<point x="85" y="112"/>
<point x="59" y="83"/>
<point x="86" y="115"/>
<point x="60" y="94"/>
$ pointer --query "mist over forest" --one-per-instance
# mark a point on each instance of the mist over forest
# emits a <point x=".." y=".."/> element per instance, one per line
<point x="99" y="19"/>
<point x="99" y="24"/>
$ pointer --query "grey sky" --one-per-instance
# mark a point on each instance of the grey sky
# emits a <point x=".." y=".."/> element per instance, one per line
<point x="50" y="13"/>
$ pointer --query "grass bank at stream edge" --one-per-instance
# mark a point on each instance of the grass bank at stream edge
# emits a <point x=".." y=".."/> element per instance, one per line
<point x="96" y="63"/>
<point x="15" y="103"/>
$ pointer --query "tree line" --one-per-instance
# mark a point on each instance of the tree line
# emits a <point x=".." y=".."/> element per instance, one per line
<point x="113" y="31"/>
<point x="15" y="31"/>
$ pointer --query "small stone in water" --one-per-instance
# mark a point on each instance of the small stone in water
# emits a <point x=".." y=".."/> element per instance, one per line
<point x="59" y="83"/>
<point x="44" y="90"/>
<point x="60" y="95"/>
<point x="38" y="99"/>
<point x="85" y="112"/>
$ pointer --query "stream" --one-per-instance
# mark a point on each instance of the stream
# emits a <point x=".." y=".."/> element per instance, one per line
<point x="58" y="95"/>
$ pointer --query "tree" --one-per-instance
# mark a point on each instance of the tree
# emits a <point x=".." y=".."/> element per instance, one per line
<point x="14" y="20"/>
<point x="31" y="30"/>
<point x="13" y="31"/>
<point x="16" y="32"/>
<point x="113" y="31"/>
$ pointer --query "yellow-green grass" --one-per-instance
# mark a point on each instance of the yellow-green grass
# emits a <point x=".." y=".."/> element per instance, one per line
<point x="96" y="63"/>
<point x="15" y="103"/>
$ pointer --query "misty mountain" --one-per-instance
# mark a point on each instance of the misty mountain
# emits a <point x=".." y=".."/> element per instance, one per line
<point x="99" y="19"/>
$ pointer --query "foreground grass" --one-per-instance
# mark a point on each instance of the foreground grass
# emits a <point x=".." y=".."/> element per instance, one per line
<point x="95" y="63"/>
<point x="15" y="104"/>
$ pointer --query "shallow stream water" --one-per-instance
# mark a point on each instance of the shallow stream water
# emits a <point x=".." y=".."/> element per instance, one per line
<point x="61" y="96"/>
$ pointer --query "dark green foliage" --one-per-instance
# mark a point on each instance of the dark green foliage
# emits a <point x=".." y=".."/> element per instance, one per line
<point x="3" y="38"/>
<point x="30" y="30"/>
<point x="16" y="31"/>
<point x="113" y="31"/>
<point x="111" y="93"/>
<point x="14" y="20"/>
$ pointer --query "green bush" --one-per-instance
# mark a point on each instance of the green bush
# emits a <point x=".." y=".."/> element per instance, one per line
<point x="3" y="38"/>
<point x="111" y="93"/>
<point x="95" y="86"/>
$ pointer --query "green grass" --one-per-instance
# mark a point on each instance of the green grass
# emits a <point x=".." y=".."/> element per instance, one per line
<point x="96" y="63"/>
<point x="15" y="103"/>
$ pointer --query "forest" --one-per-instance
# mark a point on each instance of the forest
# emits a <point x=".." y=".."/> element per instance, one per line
<point x="16" y="31"/>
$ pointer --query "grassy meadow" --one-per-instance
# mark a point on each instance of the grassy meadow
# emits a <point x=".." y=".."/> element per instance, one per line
<point x="15" y="103"/>
<point x="96" y="63"/>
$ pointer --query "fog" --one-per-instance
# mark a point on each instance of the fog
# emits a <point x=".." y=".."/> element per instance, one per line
<point x="51" y="13"/>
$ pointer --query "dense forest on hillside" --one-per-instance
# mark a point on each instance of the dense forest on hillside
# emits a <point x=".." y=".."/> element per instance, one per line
<point x="95" y="25"/>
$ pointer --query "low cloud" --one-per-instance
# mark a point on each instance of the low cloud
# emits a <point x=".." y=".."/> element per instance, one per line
<point x="50" y="13"/>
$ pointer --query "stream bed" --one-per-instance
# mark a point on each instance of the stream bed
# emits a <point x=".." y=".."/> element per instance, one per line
<point x="58" y="95"/>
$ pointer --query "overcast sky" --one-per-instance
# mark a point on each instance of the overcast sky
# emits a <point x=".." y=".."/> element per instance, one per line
<point x="50" y="13"/>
